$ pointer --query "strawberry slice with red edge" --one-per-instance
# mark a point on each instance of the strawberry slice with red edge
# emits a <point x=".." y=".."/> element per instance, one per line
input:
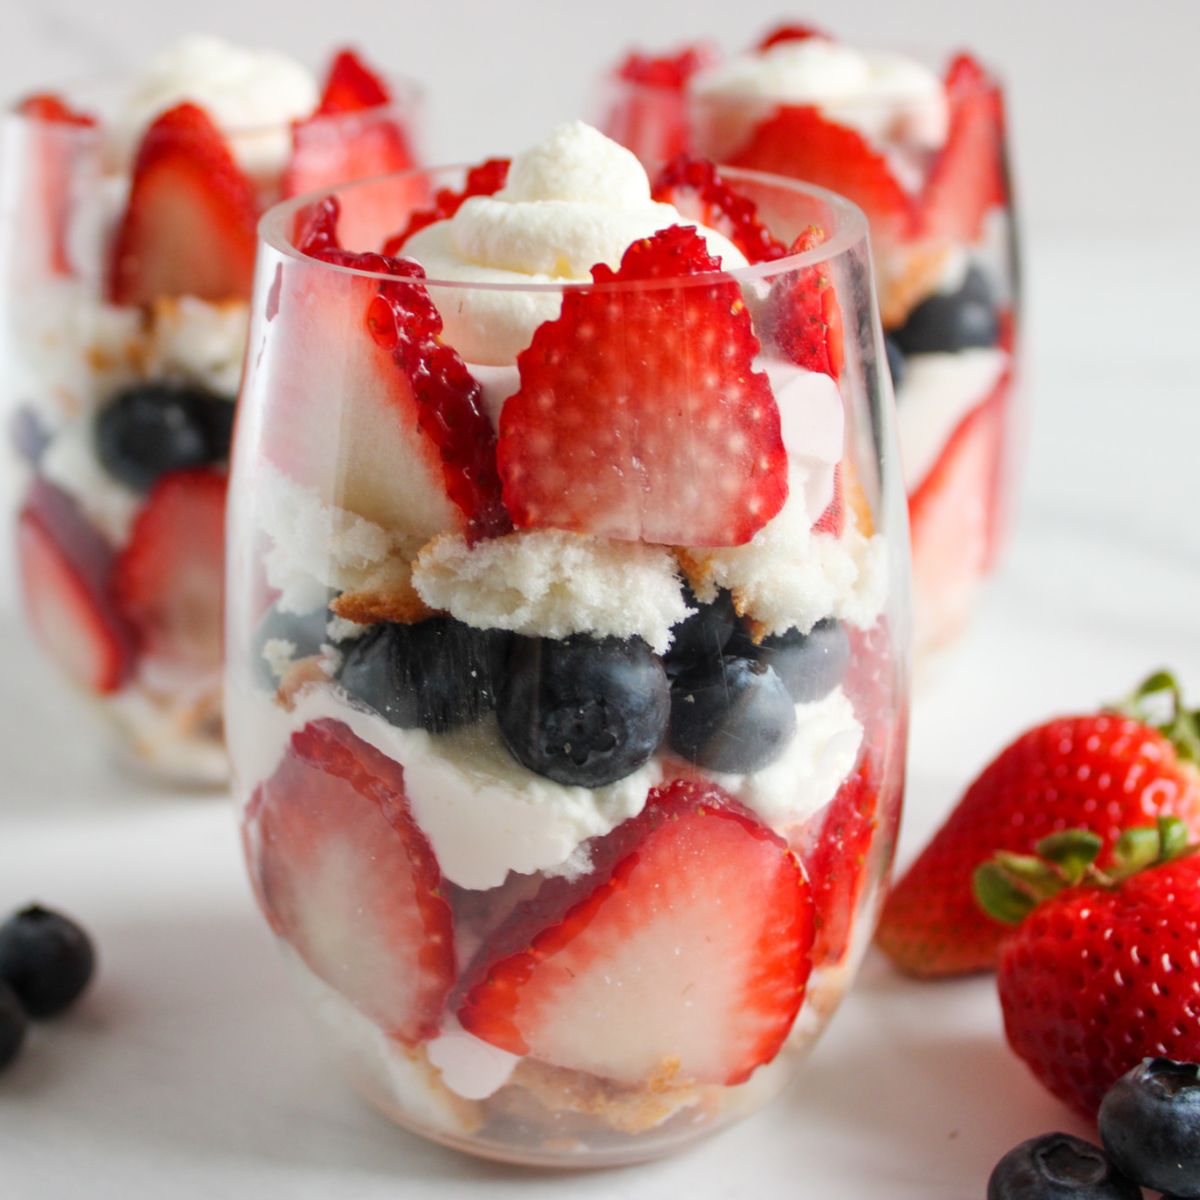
<point x="673" y="70"/>
<point x="790" y="33"/>
<point x="695" y="188"/>
<point x="350" y="85"/>
<point x="483" y="180"/>
<point x="347" y="879"/>
<point x="687" y="944"/>
<point x="647" y="109"/>
<point x="640" y="415"/>
<point x="836" y="855"/>
<point x="969" y="175"/>
<point x="65" y="569"/>
<point x="169" y="579"/>
<point x="801" y="143"/>
<point x="355" y="134"/>
<point x="56" y="143"/>
<point x="954" y="515"/>
<point x="189" y="226"/>
<point x="802" y="318"/>
<point x="418" y="449"/>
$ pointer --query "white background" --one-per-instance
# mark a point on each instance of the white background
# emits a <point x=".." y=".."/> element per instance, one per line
<point x="189" y="1074"/>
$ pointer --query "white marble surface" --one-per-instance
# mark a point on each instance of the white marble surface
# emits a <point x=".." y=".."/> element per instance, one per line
<point x="189" y="1073"/>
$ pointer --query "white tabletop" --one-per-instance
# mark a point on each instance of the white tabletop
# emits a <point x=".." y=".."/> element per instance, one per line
<point x="190" y="1073"/>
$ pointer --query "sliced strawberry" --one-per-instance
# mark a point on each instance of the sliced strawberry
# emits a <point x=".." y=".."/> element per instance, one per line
<point x="968" y="178"/>
<point x="802" y="317"/>
<point x="640" y="414"/>
<point x="169" y="578"/>
<point x="667" y="70"/>
<point x="789" y="33"/>
<point x="65" y="568"/>
<point x="407" y="443"/>
<point x="836" y="854"/>
<point x="799" y="142"/>
<point x="647" y="107"/>
<point x="951" y="517"/>
<point x="189" y="225"/>
<point x="688" y="944"/>
<point x="833" y="519"/>
<point x="355" y="135"/>
<point x="54" y="146"/>
<point x="45" y="106"/>
<point x="348" y="880"/>
<point x="484" y="180"/>
<point x="350" y="85"/>
<point x="693" y="186"/>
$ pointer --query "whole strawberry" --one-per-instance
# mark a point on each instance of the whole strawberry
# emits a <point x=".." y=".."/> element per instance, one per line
<point x="1105" y="970"/>
<point x="1105" y="772"/>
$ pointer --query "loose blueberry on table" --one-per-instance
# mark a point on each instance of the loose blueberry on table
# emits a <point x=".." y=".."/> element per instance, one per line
<point x="1058" y="1166"/>
<point x="46" y="958"/>
<point x="1150" y="1125"/>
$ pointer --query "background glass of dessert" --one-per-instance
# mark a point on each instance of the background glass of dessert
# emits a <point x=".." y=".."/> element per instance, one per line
<point x="127" y="240"/>
<point x="568" y="640"/>
<point x="921" y="149"/>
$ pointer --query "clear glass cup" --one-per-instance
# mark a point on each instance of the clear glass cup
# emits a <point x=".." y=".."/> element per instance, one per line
<point x="554" y="892"/>
<point x="119" y="549"/>
<point x="932" y="175"/>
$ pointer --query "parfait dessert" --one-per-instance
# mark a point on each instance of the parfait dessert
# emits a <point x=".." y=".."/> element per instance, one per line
<point x="922" y="151"/>
<point x="567" y="641"/>
<point x="127" y="243"/>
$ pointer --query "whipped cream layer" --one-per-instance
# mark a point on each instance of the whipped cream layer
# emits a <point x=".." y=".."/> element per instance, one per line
<point x="486" y="815"/>
<point x="887" y="97"/>
<point x="253" y="95"/>
<point x="574" y="200"/>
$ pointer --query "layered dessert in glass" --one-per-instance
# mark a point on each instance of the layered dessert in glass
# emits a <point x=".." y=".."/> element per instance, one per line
<point x="921" y="148"/>
<point x="568" y="640"/>
<point x="127" y="241"/>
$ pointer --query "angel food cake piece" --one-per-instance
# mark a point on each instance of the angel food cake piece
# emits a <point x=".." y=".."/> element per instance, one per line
<point x="557" y="693"/>
<point x="128" y="272"/>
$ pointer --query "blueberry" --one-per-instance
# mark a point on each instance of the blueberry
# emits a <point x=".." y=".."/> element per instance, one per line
<point x="584" y="711"/>
<point x="46" y="959"/>
<point x="29" y="436"/>
<point x="1150" y="1125"/>
<point x="13" y="1024"/>
<point x="811" y="665"/>
<point x="895" y="362"/>
<point x="703" y="636"/>
<point x="152" y="428"/>
<point x="306" y="632"/>
<point x="435" y="675"/>
<point x="733" y="715"/>
<point x="1058" y="1166"/>
<point x="951" y="321"/>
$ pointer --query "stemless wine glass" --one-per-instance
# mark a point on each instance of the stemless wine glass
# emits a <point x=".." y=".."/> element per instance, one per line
<point x="123" y="316"/>
<point x="930" y="169"/>
<point x="570" y="810"/>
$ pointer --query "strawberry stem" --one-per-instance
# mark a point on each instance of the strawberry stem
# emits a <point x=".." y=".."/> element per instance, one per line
<point x="1008" y="887"/>
<point x="1158" y="702"/>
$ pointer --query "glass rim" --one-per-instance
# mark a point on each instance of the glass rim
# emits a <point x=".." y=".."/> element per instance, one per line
<point x="276" y="230"/>
<point x="406" y="95"/>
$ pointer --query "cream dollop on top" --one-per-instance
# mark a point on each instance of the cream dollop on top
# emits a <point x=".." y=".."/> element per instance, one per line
<point x="253" y="95"/>
<point x="882" y="94"/>
<point x="574" y="200"/>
